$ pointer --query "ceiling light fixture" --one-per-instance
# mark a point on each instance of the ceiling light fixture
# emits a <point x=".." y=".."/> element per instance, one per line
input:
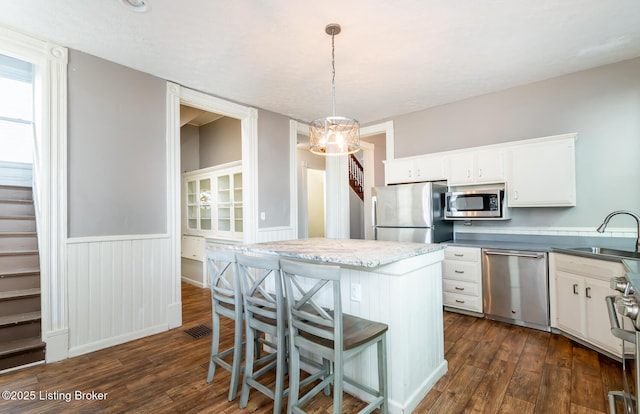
<point x="334" y="135"/>
<point x="139" y="6"/>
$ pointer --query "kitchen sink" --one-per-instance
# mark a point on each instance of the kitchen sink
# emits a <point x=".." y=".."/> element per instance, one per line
<point x="605" y="251"/>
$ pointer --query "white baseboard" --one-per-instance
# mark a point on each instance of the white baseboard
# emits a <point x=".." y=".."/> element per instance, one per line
<point x="193" y="282"/>
<point x="116" y="340"/>
<point x="174" y="315"/>
<point x="57" y="345"/>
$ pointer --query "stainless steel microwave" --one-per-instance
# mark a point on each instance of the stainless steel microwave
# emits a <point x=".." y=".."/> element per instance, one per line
<point x="476" y="204"/>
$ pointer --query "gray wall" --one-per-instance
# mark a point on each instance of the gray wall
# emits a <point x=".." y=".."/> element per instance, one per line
<point x="116" y="149"/>
<point x="273" y="169"/>
<point x="379" y="155"/>
<point x="602" y="105"/>
<point x="220" y="142"/>
<point x="189" y="148"/>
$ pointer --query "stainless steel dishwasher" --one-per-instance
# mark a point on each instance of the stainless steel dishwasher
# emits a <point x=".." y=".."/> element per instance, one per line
<point x="515" y="287"/>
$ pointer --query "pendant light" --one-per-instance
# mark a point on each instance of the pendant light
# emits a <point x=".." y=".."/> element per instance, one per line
<point x="334" y="135"/>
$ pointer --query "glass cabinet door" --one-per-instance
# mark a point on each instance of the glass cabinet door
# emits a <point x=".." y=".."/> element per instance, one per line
<point x="237" y="202"/>
<point x="214" y="202"/>
<point x="224" y="202"/>
<point x="192" y="205"/>
<point x="205" y="204"/>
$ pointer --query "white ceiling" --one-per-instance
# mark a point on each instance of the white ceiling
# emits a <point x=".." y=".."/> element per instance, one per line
<point x="392" y="57"/>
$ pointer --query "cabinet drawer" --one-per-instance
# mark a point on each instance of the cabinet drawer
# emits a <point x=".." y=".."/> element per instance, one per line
<point x="456" y="300"/>
<point x="469" y="254"/>
<point x="192" y="248"/>
<point x="465" y="271"/>
<point x="462" y="288"/>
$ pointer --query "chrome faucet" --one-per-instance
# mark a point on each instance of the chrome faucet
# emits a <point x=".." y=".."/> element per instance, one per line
<point x="601" y="228"/>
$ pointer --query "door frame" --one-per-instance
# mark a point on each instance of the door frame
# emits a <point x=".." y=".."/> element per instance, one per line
<point x="50" y="179"/>
<point x="177" y="95"/>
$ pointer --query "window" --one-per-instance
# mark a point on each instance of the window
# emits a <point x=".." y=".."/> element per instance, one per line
<point x="16" y="110"/>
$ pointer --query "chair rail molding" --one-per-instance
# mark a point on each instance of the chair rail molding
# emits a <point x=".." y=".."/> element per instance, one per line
<point x="50" y="179"/>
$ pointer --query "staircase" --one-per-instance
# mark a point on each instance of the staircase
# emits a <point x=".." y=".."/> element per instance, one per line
<point x="20" y="323"/>
<point x="356" y="176"/>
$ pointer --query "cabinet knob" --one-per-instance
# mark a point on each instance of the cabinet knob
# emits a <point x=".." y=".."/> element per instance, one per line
<point x="575" y="289"/>
<point x="588" y="292"/>
<point x="515" y="195"/>
<point x="459" y="271"/>
<point x="458" y="255"/>
<point x="459" y="301"/>
<point x="479" y="172"/>
<point x="459" y="288"/>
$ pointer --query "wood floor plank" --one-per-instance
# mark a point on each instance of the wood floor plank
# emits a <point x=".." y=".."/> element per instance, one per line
<point x="525" y="385"/>
<point x="586" y="380"/>
<point x="554" y="395"/>
<point x="511" y="405"/>
<point x="488" y="397"/>
<point x="459" y="391"/>
<point x="513" y="344"/>
<point x="559" y="352"/>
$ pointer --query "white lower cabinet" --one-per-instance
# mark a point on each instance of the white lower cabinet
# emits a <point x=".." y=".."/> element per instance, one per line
<point x="578" y="287"/>
<point x="462" y="278"/>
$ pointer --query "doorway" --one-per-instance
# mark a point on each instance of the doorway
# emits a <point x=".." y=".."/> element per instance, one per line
<point x="376" y="142"/>
<point x="176" y="96"/>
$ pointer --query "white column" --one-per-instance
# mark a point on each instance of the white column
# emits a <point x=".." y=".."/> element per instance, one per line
<point x="337" y="197"/>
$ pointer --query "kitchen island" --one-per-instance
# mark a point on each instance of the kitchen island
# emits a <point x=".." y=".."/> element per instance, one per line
<point x="396" y="283"/>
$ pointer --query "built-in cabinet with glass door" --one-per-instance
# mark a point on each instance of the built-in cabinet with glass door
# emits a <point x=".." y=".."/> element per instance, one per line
<point x="214" y="201"/>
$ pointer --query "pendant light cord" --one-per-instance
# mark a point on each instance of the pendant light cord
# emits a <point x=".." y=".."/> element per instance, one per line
<point x="333" y="70"/>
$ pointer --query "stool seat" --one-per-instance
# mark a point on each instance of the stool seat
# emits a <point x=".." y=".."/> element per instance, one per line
<point x="355" y="332"/>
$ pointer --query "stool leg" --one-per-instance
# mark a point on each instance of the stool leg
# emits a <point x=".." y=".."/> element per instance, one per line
<point x="237" y="359"/>
<point x="382" y="374"/>
<point x="326" y="366"/>
<point x="215" y="342"/>
<point x="248" y="367"/>
<point x="294" y="378"/>
<point x="338" y="375"/>
<point x="281" y="358"/>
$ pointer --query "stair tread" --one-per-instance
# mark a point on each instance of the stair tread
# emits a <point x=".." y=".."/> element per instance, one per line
<point x="17" y="294"/>
<point x="20" y="273"/>
<point x="15" y="201"/>
<point x="20" y="345"/>
<point x="17" y="217"/>
<point x="15" y="187"/>
<point x="20" y="318"/>
<point x="18" y="252"/>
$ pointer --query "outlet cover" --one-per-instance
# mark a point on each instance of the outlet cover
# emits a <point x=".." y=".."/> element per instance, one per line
<point x="356" y="292"/>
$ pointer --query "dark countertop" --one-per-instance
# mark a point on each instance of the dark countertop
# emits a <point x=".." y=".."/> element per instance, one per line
<point x="543" y="243"/>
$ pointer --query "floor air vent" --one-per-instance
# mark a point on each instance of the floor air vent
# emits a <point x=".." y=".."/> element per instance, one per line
<point x="199" y="331"/>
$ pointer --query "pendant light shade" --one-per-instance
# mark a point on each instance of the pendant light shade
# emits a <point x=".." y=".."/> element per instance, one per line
<point x="334" y="135"/>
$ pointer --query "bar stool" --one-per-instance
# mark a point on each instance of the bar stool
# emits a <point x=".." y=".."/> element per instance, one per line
<point x="263" y="312"/>
<point x="226" y="300"/>
<point x="328" y="333"/>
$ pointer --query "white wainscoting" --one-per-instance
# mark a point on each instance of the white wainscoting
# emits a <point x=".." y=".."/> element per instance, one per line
<point x="119" y="290"/>
<point x="276" y="234"/>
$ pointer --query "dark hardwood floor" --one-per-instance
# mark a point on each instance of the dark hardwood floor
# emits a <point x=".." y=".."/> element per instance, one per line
<point x="493" y="368"/>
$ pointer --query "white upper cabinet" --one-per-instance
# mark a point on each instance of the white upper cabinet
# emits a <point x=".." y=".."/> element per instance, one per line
<point x="538" y="172"/>
<point x="476" y="167"/>
<point x="415" y="169"/>
<point x="542" y="174"/>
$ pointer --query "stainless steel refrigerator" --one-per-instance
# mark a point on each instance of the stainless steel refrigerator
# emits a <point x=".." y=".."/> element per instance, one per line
<point x="412" y="213"/>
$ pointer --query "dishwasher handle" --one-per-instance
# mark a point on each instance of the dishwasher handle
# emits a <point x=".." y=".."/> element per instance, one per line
<point x="512" y="253"/>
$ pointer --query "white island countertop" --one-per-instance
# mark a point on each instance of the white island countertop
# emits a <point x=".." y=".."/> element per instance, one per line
<point x="349" y="252"/>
